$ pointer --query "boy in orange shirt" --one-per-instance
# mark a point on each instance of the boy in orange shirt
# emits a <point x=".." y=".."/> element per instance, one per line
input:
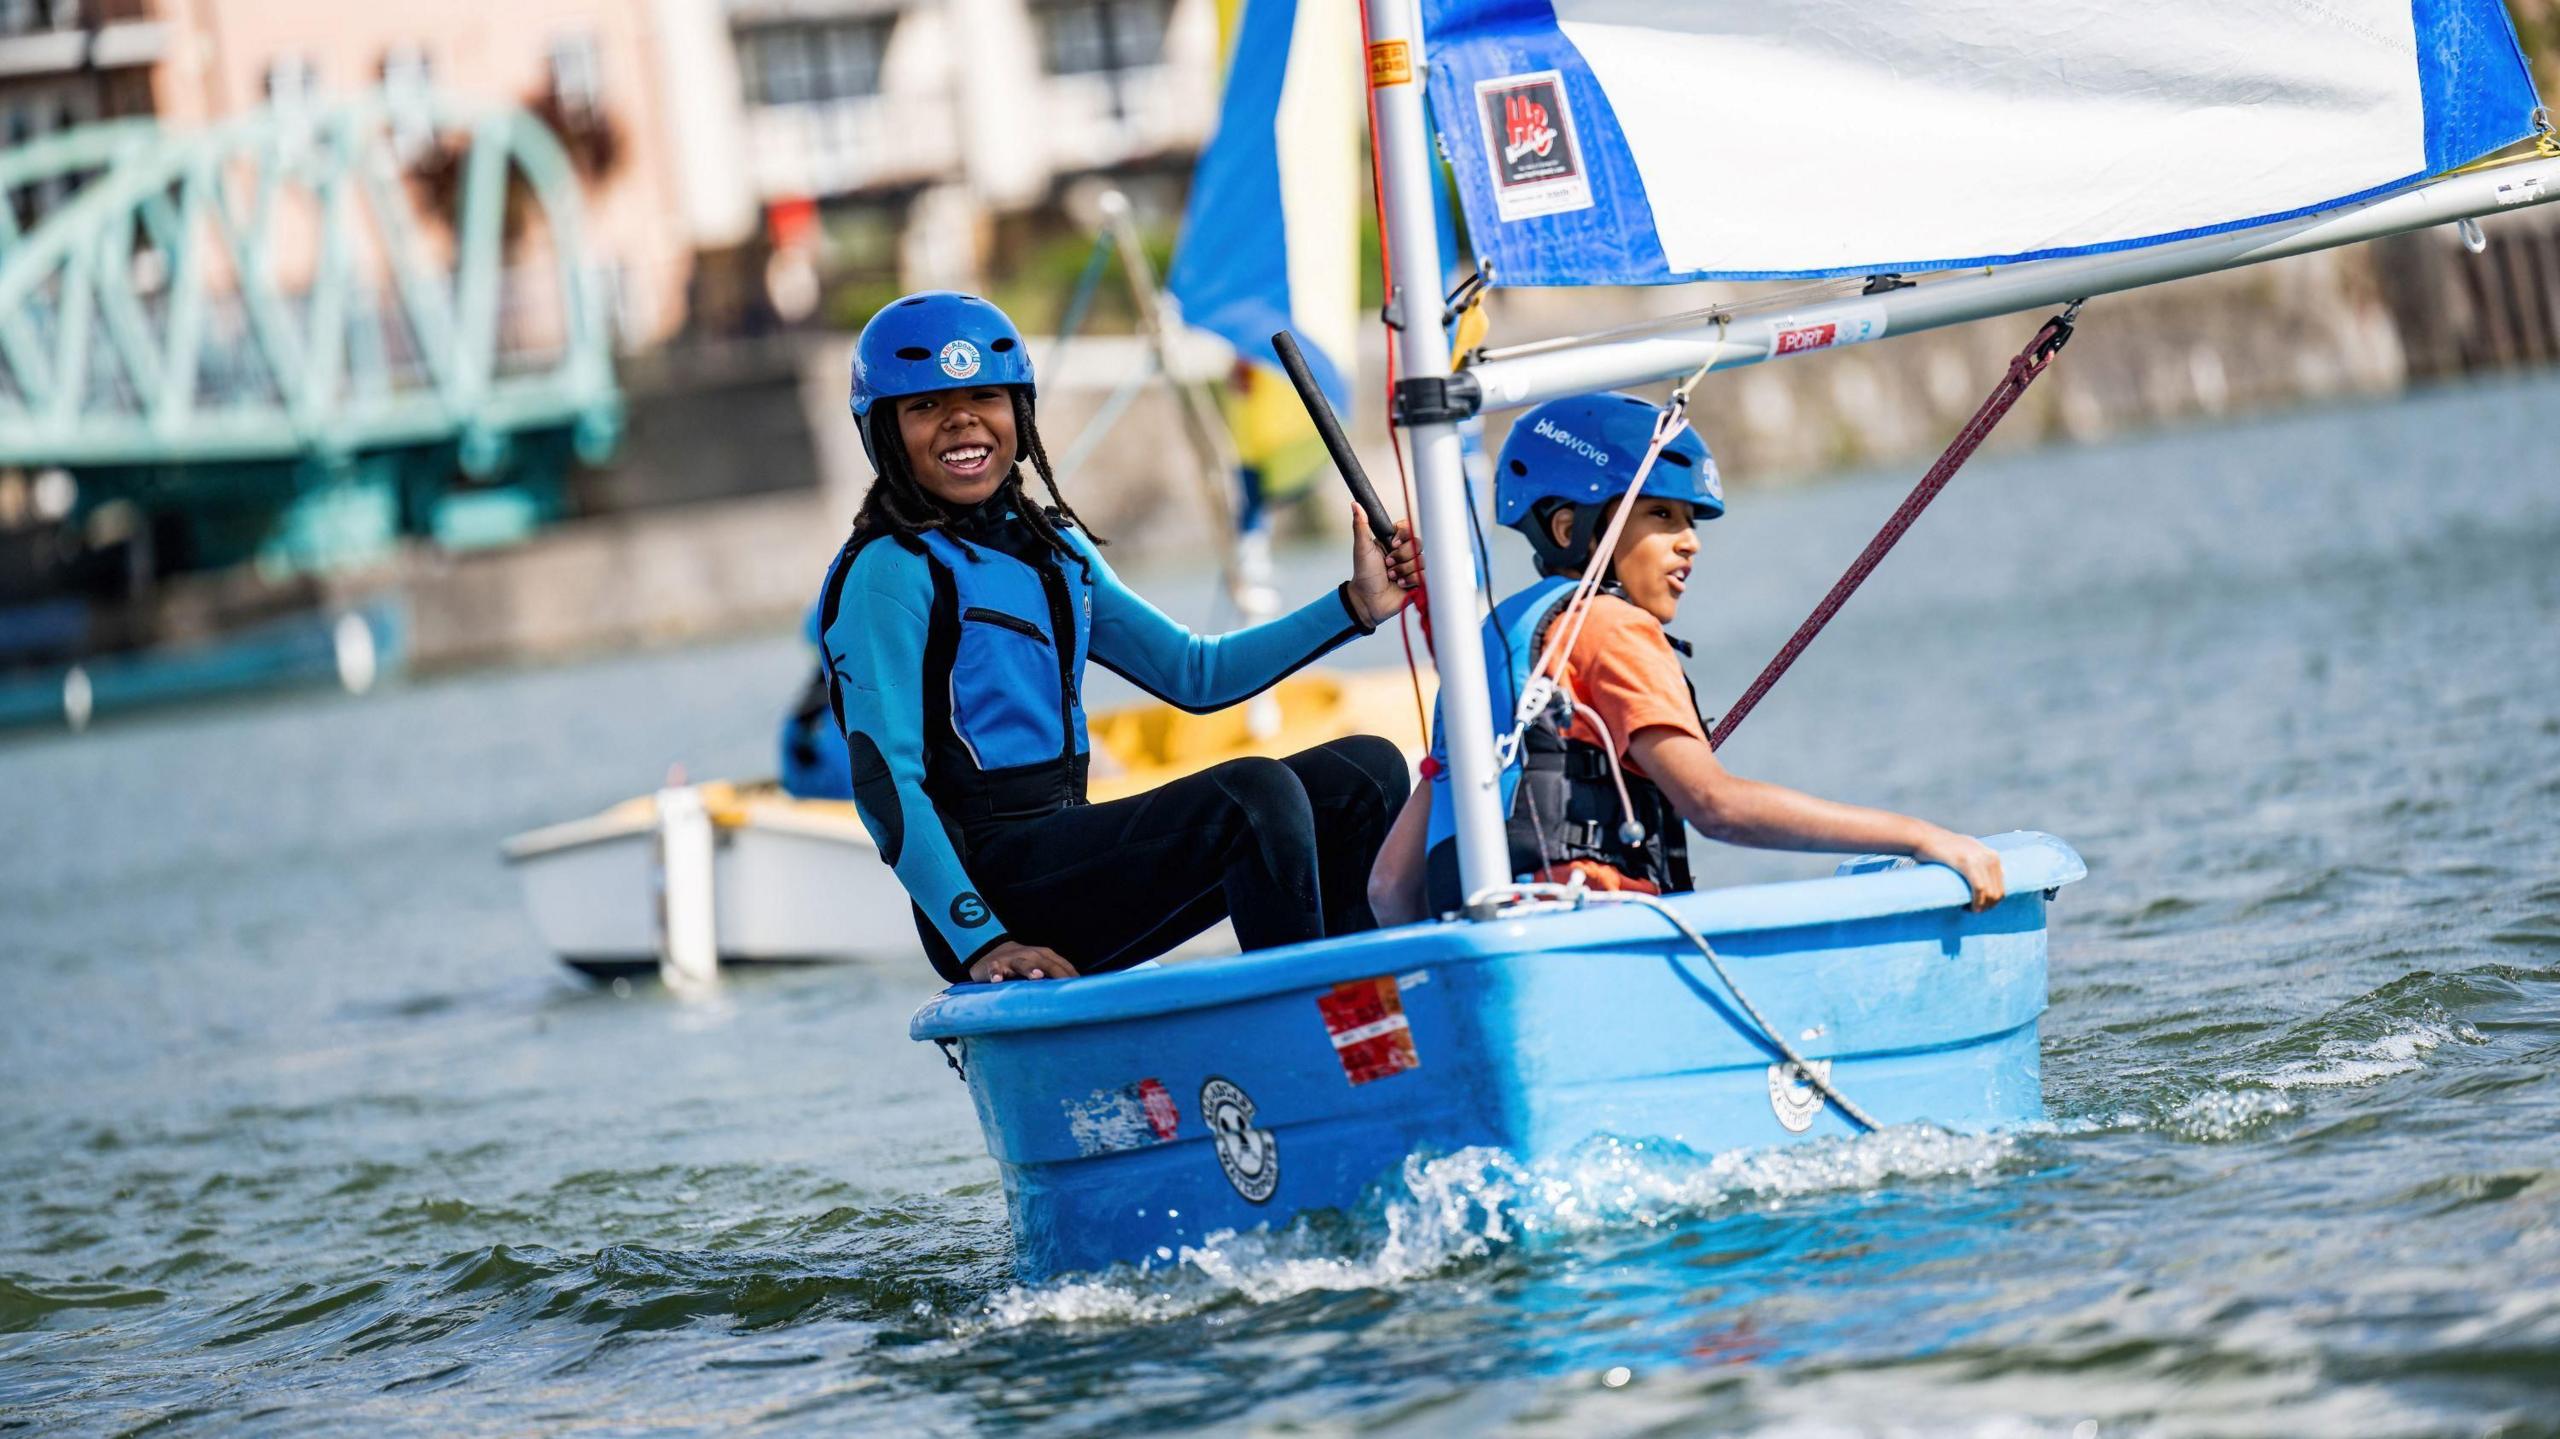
<point x="1608" y="777"/>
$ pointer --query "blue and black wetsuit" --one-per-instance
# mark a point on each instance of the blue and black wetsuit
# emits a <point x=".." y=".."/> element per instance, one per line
<point x="956" y="659"/>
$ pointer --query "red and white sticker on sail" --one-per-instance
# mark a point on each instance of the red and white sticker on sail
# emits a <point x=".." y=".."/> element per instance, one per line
<point x="1371" y="1035"/>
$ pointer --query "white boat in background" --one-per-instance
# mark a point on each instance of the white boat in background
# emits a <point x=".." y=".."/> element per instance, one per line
<point x="697" y="877"/>
<point x="792" y="881"/>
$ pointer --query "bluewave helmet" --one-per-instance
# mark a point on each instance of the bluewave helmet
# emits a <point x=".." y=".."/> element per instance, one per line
<point x="934" y="340"/>
<point x="1584" y="449"/>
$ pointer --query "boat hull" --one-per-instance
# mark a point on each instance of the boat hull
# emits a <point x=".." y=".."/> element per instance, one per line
<point x="1133" y="1115"/>
<point x="808" y="894"/>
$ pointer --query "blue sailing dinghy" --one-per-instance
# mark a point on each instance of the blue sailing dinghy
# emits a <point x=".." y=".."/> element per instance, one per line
<point x="1133" y="1114"/>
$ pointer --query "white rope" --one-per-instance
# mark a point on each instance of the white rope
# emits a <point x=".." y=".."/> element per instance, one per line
<point x="1548" y="898"/>
<point x="1618" y="777"/>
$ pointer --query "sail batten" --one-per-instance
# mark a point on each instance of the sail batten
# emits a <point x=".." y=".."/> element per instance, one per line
<point x="1654" y="141"/>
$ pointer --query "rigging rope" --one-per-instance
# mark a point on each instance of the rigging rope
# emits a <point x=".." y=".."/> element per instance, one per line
<point x="2023" y="369"/>
<point x="1421" y="608"/>
<point x="1530" y="898"/>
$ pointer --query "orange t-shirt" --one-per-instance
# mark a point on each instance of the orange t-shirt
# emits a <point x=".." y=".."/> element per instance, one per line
<point x="1623" y="669"/>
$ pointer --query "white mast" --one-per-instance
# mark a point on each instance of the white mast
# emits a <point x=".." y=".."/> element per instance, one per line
<point x="1406" y="174"/>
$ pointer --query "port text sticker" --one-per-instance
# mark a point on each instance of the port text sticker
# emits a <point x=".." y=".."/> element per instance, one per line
<point x="1853" y="326"/>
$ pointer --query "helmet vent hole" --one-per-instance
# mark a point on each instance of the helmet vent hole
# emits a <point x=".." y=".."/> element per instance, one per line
<point x="1002" y="345"/>
<point x="1518" y="468"/>
<point x="914" y="352"/>
<point x="1674" y="457"/>
<point x="911" y="300"/>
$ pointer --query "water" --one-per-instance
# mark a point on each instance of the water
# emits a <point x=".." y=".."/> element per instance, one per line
<point x="304" y="1133"/>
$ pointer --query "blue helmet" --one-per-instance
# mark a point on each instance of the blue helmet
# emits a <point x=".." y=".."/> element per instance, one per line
<point x="934" y="340"/>
<point x="1584" y="449"/>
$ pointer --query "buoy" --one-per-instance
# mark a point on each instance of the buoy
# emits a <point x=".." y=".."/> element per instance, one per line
<point x="79" y="698"/>
<point x="358" y="662"/>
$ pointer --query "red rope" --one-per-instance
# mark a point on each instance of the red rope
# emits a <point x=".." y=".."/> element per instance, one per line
<point x="1395" y="441"/>
<point x="2023" y="369"/>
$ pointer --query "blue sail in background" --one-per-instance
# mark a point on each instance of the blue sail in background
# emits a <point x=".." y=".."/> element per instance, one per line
<point x="1270" y="239"/>
<point x="1652" y="141"/>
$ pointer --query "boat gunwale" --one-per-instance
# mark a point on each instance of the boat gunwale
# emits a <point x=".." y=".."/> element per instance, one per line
<point x="975" y="1010"/>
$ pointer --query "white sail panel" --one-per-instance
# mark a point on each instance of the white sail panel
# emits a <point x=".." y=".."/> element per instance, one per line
<point x="1644" y="141"/>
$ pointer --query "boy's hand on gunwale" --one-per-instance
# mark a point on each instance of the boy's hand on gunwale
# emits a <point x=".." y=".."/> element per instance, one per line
<point x="1969" y="857"/>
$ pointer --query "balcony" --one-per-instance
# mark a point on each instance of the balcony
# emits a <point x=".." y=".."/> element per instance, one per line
<point x="1098" y="120"/>
<point x="848" y="146"/>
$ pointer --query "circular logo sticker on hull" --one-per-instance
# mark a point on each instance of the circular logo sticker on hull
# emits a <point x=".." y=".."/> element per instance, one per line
<point x="1795" y="1101"/>
<point x="1250" y="1156"/>
<point x="959" y="359"/>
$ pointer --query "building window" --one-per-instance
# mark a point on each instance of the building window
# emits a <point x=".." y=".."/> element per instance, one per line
<point x="292" y="81"/>
<point x="577" y="74"/>
<point x="27" y="17"/>
<point x="1102" y="37"/>
<point x="808" y="64"/>
<point x="406" y="67"/>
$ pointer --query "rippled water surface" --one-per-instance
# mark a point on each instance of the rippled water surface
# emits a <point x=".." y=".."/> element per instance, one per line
<point x="304" y="1132"/>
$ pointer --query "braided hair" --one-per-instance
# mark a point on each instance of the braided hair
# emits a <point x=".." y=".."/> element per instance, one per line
<point x="899" y="505"/>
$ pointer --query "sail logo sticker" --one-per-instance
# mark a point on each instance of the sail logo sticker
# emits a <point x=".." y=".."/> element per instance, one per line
<point x="1133" y="1116"/>
<point x="959" y="359"/>
<point x="1531" y="144"/>
<point x="1853" y="326"/>
<point x="1371" y="1036"/>
<point x="1794" y="1101"/>
<point x="1250" y="1156"/>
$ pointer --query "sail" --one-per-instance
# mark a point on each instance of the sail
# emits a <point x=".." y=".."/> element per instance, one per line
<point x="1270" y="238"/>
<point x="1655" y="141"/>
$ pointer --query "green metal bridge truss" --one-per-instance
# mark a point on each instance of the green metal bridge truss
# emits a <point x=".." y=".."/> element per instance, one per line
<point x="299" y="334"/>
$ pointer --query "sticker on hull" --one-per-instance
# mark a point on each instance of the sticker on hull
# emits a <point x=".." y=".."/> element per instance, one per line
<point x="1130" y="1117"/>
<point x="1250" y="1156"/>
<point x="1794" y="1101"/>
<point x="1371" y="1036"/>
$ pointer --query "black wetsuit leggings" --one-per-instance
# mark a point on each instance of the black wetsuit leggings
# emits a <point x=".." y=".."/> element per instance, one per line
<point x="1280" y="846"/>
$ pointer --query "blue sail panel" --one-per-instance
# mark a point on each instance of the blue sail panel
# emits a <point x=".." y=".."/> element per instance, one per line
<point x="1270" y="237"/>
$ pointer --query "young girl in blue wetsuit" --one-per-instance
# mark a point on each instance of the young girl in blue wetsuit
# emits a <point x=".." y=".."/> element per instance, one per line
<point x="956" y="624"/>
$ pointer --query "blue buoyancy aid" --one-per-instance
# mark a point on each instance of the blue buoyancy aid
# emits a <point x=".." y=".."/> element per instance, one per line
<point x="1559" y="803"/>
<point x="1014" y="695"/>
<point x="955" y="659"/>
